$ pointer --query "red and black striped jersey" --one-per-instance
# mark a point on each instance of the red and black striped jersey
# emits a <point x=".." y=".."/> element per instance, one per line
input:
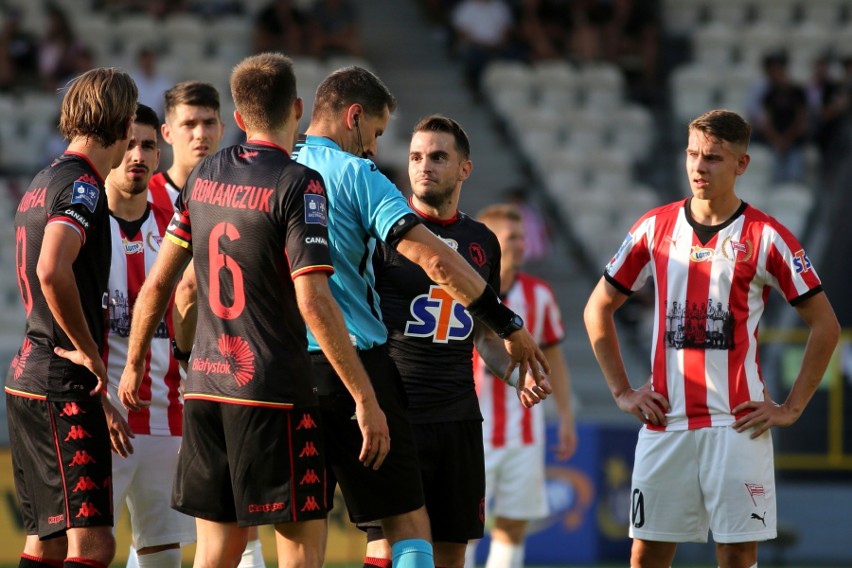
<point x="69" y="192"/>
<point x="254" y="220"/>
<point x="430" y="335"/>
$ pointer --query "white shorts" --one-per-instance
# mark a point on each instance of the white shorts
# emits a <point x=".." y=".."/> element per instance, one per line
<point x="688" y="481"/>
<point x="145" y="480"/>
<point x="515" y="483"/>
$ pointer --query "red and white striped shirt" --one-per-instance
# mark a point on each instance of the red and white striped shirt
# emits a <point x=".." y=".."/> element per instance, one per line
<point x="132" y="258"/>
<point x="162" y="191"/>
<point x="709" y="300"/>
<point x="505" y="421"/>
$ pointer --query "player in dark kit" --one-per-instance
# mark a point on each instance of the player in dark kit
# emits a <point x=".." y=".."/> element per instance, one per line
<point x="351" y="111"/>
<point x="59" y="421"/>
<point x="431" y="339"/>
<point x="254" y="221"/>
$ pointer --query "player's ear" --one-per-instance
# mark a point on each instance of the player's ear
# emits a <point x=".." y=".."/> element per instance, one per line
<point x="238" y="118"/>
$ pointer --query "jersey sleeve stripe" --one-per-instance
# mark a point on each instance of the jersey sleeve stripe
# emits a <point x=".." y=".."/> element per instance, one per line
<point x="179" y="241"/>
<point x="317" y="268"/>
<point x="71" y="223"/>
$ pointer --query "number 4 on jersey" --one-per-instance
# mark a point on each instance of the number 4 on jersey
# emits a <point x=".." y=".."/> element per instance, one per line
<point x="438" y="316"/>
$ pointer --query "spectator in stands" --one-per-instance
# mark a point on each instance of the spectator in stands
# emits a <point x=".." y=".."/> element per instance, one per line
<point x="631" y="39"/>
<point x="151" y="82"/>
<point x="483" y="32"/>
<point x="54" y="46"/>
<point x="783" y="120"/>
<point x="828" y="99"/>
<point x="539" y="29"/>
<point x="18" y="52"/>
<point x="334" y="29"/>
<point x="280" y="26"/>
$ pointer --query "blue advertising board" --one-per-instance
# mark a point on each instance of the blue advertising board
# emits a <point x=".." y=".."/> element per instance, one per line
<point x="589" y="498"/>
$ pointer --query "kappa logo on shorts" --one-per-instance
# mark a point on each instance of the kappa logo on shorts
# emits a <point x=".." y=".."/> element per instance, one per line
<point x="307" y="422"/>
<point x="310" y="504"/>
<point x="310" y="478"/>
<point x="71" y="409"/>
<point x="85" y="483"/>
<point x="88" y="510"/>
<point x="266" y="507"/>
<point x="309" y="451"/>
<point x="82" y="458"/>
<point x="438" y="316"/>
<point x="77" y="433"/>
<point x="56" y="519"/>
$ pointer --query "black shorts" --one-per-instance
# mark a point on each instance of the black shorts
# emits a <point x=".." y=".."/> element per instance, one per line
<point x="62" y="462"/>
<point x="253" y="465"/>
<point x="452" y="463"/>
<point x="369" y="494"/>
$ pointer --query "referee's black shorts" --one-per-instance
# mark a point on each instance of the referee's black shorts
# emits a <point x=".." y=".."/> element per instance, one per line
<point x="395" y="488"/>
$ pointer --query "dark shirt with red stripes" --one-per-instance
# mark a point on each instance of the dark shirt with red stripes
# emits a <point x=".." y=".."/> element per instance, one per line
<point x="254" y="220"/>
<point x="71" y="193"/>
<point x="430" y="335"/>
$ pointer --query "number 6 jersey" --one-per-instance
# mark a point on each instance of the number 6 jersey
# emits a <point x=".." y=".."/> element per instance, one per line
<point x="254" y="220"/>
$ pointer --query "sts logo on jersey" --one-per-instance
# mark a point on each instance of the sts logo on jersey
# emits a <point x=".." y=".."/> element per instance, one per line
<point x="438" y="316"/>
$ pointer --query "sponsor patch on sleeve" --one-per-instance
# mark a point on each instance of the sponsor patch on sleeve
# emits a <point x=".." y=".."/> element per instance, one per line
<point x="85" y="193"/>
<point x="315" y="209"/>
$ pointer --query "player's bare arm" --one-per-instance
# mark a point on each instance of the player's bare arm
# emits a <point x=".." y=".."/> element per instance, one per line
<point x="324" y="318"/>
<point x="451" y="271"/>
<point x="647" y="406"/>
<point x="148" y="312"/>
<point x="560" y="381"/>
<point x="819" y="316"/>
<point x="491" y="349"/>
<point x="185" y="311"/>
<point x="59" y="249"/>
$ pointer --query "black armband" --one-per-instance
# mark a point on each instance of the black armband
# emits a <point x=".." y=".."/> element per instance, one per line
<point x="488" y="309"/>
<point x="178" y="354"/>
<point x="402" y="226"/>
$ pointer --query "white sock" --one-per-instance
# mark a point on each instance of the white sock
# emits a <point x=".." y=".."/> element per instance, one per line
<point x="252" y="556"/>
<point x="505" y="555"/>
<point x="132" y="558"/>
<point x="169" y="558"/>
<point x="470" y="554"/>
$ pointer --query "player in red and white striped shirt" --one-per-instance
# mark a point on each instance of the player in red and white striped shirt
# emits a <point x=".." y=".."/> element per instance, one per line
<point x="144" y="478"/>
<point x="704" y="459"/>
<point x="514" y="436"/>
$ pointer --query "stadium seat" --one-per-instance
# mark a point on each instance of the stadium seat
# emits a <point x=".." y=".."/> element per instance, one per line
<point x="694" y="89"/>
<point x="777" y="12"/>
<point x="633" y="130"/>
<point x="715" y="44"/>
<point x="760" y="39"/>
<point x="602" y="86"/>
<point x="729" y="12"/>
<point x="826" y="13"/>
<point x="680" y="17"/>
<point x="555" y="84"/>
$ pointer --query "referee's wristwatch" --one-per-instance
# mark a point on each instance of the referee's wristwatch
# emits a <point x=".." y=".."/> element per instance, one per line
<point x="178" y="354"/>
<point x="516" y="323"/>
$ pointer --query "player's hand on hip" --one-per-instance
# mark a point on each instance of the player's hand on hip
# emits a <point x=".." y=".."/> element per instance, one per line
<point x="531" y="392"/>
<point x="526" y="356"/>
<point x="648" y="406"/>
<point x="94" y="364"/>
<point x="119" y="429"/>
<point x="761" y="416"/>
<point x="375" y="433"/>
<point x="128" y="388"/>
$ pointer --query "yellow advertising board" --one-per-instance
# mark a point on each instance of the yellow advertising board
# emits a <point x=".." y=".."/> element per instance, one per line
<point x="345" y="542"/>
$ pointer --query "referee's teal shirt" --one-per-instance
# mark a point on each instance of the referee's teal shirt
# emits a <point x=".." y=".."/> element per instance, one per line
<point x="363" y="205"/>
